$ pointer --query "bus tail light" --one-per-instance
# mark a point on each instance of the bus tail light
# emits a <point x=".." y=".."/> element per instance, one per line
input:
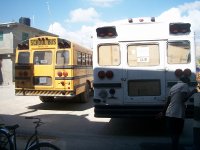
<point x="101" y="74"/>
<point x="178" y="72"/>
<point x="109" y="74"/>
<point x="23" y="73"/>
<point x="59" y="74"/>
<point x="187" y="72"/>
<point x="65" y="74"/>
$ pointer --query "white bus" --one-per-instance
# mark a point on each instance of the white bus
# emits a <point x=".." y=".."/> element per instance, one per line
<point x="137" y="62"/>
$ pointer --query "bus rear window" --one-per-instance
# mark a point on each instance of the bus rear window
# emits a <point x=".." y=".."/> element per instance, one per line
<point x="109" y="55"/>
<point x="42" y="58"/>
<point x="62" y="57"/>
<point x="141" y="55"/>
<point x="178" y="52"/>
<point x="23" y="58"/>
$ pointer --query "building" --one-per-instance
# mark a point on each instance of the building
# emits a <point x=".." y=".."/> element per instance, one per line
<point x="11" y="34"/>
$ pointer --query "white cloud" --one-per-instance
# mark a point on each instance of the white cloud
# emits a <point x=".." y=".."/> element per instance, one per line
<point x="188" y="12"/>
<point x="104" y="3"/>
<point x="83" y="15"/>
<point x="57" y="28"/>
<point x="82" y="36"/>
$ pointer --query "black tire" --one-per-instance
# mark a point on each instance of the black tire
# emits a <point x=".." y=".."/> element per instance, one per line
<point x="85" y="96"/>
<point x="46" y="99"/>
<point x="43" y="146"/>
<point x="5" y="141"/>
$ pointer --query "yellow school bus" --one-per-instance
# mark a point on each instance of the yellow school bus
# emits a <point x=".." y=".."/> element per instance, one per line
<point x="51" y="67"/>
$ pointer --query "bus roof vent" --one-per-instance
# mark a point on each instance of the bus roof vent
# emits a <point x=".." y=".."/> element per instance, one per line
<point x="106" y="32"/>
<point x="179" y="28"/>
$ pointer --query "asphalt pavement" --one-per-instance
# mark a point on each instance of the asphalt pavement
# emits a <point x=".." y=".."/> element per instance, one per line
<point x="72" y="126"/>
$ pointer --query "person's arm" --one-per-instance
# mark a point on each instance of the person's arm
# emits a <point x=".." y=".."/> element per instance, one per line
<point x="186" y="96"/>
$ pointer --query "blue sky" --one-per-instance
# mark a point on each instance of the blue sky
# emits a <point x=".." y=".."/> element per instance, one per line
<point x="69" y="18"/>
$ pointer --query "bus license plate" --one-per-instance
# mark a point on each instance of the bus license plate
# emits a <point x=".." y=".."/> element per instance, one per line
<point x="43" y="80"/>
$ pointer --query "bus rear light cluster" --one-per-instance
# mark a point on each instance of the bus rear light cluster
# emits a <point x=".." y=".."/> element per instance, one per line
<point x="23" y="73"/>
<point x="102" y="74"/>
<point x="175" y="28"/>
<point x="179" y="72"/>
<point x="64" y="73"/>
<point x="23" y="46"/>
<point x="106" y="32"/>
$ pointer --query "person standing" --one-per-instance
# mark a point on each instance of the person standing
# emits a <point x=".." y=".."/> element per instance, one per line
<point x="175" y="107"/>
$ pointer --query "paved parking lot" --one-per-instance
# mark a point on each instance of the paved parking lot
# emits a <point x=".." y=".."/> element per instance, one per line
<point x="72" y="125"/>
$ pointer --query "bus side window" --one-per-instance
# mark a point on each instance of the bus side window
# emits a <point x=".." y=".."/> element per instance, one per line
<point x="178" y="52"/>
<point x="87" y="59"/>
<point x="83" y="59"/>
<point x="90" y="60"/>
<point x="79" y="58"/>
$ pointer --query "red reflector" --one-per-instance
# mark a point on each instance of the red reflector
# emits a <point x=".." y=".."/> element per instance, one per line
<point x="101" y="74"/>
<point x="178" y="72"/>
<point x="187" y="72"/>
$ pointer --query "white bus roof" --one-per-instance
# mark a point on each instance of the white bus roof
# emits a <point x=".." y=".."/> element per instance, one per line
<point x="136" y="30"/>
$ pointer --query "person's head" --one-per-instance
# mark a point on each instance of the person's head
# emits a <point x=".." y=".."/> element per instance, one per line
<point x="185" y="80"/>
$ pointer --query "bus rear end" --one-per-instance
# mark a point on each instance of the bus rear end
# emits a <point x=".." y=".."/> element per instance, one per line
<point x="52" y="67"/>
<point x="136" y="64"/>
<point x="38" y="73"/>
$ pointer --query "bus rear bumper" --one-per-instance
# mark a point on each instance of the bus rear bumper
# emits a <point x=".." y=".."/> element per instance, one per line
<point x="27" y="92"/>
<point x="132" y="111"/>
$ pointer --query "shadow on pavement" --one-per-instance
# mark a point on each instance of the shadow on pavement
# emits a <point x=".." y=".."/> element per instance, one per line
<point x="63" y="104"/>
<point x="163" y="146"/>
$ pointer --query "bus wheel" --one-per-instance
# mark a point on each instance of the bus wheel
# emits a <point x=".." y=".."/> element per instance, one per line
<point x="46" y="99"/>
<point x="85" y="96"/>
